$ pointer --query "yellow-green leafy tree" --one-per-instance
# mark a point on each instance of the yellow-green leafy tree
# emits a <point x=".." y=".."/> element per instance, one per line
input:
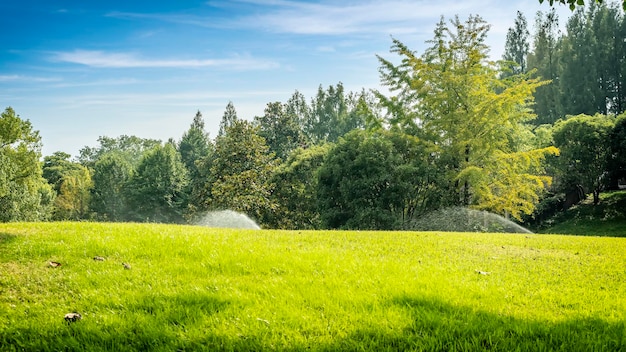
<point x="453" y="97"/>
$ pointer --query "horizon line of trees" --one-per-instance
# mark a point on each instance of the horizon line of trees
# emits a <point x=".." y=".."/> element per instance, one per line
<point x="514" y="137"/>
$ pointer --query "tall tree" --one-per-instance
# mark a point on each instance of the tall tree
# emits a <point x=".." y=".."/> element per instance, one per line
<point x="544" y="59"/>
<point x="194" y="147"/>
<point x="452" y="97"/>
<point x="24" y="193"/>
<point x="156" y="189"/>
<point x="517" y="46"/>
<point x="109" y="196"/>
<point x="228" y="119"/>
<point x="280" y="129"/>
<point x="240" y="172"/>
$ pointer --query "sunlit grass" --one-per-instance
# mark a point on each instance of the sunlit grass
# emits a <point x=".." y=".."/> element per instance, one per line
<point x="192" y="288"/>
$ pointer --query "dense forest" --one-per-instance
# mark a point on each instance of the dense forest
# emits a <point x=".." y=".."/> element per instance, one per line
<point x="524" y="137"/>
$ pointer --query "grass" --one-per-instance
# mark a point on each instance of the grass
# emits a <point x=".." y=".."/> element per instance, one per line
<point x="608" y="218"/>
<point x="193" y="288"/>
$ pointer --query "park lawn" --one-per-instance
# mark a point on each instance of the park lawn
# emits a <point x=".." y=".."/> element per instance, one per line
<point x="194" y="288"/>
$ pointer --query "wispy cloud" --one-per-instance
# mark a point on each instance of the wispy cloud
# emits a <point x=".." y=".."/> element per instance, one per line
<point x="321" y="18"/>
<point x="101" y="59"/>
<point x="26" y="79"/>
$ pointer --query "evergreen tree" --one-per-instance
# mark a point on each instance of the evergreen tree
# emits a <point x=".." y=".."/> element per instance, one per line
<point x="194" y="147"/>
<point x="517" y="46"/>
<point x="228" y="119"/>
<point x="545" y="60"/>
<point x="109" y="197"/>
<point x="156" y="189"/>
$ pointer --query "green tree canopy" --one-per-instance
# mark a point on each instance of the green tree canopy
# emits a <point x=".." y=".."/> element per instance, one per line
<point x="584" y="142"/>
<point x="72" y="183"/>
<point x="156" y="189"/>
<point x="195" y="147"/>
<point x="109" y="199"/>
<point x="24" y="193"/>
<point x="573" y="3"/>
<point x="240" y="172"/>
<point x="452" y="97"/>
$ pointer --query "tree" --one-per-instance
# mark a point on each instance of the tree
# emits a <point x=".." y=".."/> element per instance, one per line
<point x="132" y="148"/>
<point x="73" y="198"/>
<point x="584" y="144"/>
<point x="517" y="46"/>
<point x="109" y="198"/>
<point x="24" y="193"/>
<point x="573" y="3"/>
<point x="228" y="119"/>
<point x="156" y="189"/>
<point x="194" y="147"/>
<point x="617" y="146"/>
<point x="331" y="115"/>
<point x="544" y="59"/>
<point x="295" y="190"/>
<point x="376" y="180"/>
<point x="280" y="130"/>
<point x="452" y="98"/>
<point x="356" y="188"/>
<point x="241" y="168"/>
<point x="72" y="184"/>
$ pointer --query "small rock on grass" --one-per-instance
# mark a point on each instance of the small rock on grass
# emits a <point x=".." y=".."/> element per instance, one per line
<point x="54" y="264"/>
<point x="98" y="258"/>
<point x="126" y="266"/>
<point x="72" y="317"/>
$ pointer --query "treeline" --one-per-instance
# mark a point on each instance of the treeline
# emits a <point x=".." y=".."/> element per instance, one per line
<point x="456" y="129"/>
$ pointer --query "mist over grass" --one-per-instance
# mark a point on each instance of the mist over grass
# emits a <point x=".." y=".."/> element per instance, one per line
<point x="195" y="288"/>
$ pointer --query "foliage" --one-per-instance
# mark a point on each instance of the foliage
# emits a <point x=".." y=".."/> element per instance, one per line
<point x="228" y="119"/>
<point x="132" y="148"/>
<point x="281" y="129"/>
<point x="517" y="46"/>
<point x="544" y="61"/>
<point x="583" y="142"/>
<point x="156" y="189"/>
<point x="194" y="147"/>
<point x="373" y="180"/>
<point x="451" y="97"/>
<point x="607" y="218"/>
<point x="295" y="190"/>
<point x="109" y="200"/>
<point x="332" y="114"/>
<point x="194" y="288"/>
<point x="617" y="147"/>
<point x="240" y="172"/>
<point x="72" y="183"/>
<point x="24" y="193"/>
<point x="573" y="3"/>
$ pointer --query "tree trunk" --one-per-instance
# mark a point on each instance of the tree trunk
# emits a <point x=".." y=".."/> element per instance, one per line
<point x="596" y="196"/>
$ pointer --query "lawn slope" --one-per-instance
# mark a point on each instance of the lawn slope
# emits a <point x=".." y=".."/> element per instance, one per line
<point x="192" y="288"/>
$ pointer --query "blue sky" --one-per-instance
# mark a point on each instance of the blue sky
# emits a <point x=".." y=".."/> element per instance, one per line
<point x="82" y="69"/>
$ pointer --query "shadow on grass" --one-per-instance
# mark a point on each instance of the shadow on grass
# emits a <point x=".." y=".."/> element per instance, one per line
<point x="6" y="238"/>
<point x="434" y="326"/>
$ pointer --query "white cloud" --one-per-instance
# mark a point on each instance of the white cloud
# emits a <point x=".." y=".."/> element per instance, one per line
<point x="101" y="59"/>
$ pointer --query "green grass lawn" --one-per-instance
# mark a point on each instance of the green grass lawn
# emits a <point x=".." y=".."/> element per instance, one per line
<point x="192" y="288"/>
